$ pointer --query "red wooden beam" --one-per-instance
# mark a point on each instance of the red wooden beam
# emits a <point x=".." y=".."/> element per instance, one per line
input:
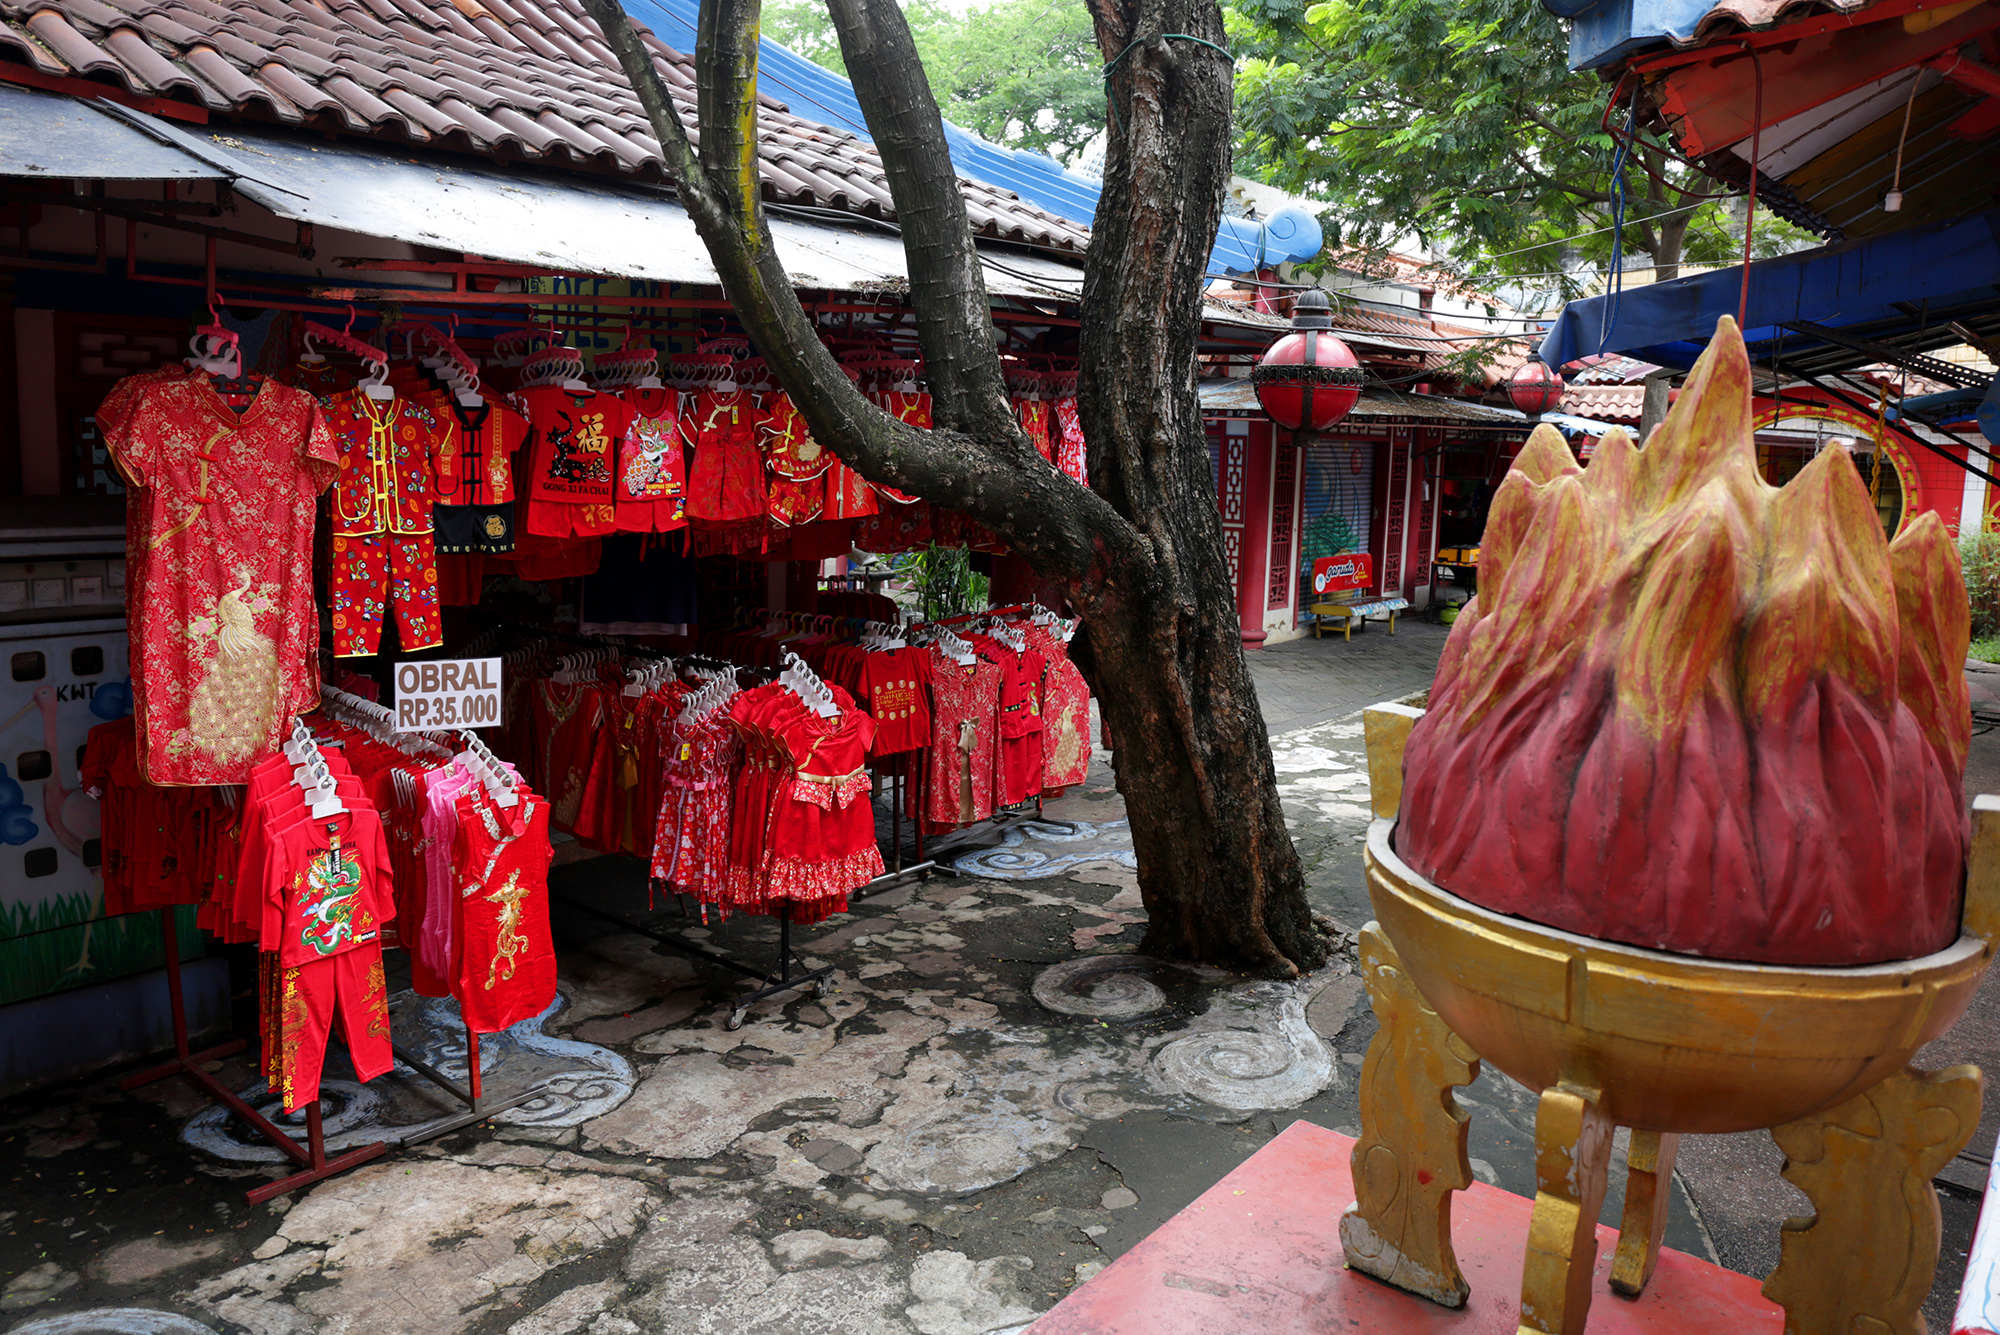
<point x="89" y="88"/>
<point x="1710" y="102"/>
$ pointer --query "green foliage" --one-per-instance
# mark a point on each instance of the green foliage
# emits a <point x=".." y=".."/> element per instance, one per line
<point x="1024" y="73"/>
<point x="943" y="580"/>
<point x="1979" y="554"/>
<point x="1459" y="121"/>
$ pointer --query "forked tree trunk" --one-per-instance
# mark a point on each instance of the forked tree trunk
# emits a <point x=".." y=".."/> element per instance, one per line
<point x="1140" y="554"/>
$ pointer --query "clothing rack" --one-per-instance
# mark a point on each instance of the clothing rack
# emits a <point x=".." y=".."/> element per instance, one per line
<point x="311" y="1157"/>
<point x="364" y="713"/>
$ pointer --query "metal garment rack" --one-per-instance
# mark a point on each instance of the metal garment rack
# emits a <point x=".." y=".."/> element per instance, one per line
<point x="311" y="1157"/>
<point x="477" y="1108"/>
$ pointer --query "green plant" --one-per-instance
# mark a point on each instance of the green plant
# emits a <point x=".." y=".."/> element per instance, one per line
<point x="943" y="580"/>
<point x="1979" y="554"/>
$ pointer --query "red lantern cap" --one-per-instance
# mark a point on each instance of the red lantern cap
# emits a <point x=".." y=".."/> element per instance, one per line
<point x="1308" y="380"/>
<point x="1534" y="388"/>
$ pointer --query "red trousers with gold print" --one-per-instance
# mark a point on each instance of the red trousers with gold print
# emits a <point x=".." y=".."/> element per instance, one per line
<point x="371" y="573"/>
<point x="349" y="984"/>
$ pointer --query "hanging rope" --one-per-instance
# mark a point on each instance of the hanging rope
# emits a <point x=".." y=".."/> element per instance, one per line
<point x="1881" y="448"/>
<point x="1756" y="151"/>
<point x="1616" y="280"/>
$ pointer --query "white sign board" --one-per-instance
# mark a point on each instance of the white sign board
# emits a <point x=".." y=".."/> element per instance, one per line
<point x="448" y="693"/>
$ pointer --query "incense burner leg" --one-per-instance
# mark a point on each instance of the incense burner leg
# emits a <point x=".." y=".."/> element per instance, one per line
<point x="1411" y="1155"/>
<point x="1572" y="1161"/>
<point x="1864" y="1260"/>
<point x="1649" y="1184"/>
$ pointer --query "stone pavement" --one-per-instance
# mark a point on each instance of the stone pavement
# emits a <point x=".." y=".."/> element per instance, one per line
<point x="1308" y="681"/>
<point x="996" y="1097"/>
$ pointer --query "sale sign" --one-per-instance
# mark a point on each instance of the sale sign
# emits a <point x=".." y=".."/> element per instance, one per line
<point x="1350" y="572"/>
<point x="448" y="693"/>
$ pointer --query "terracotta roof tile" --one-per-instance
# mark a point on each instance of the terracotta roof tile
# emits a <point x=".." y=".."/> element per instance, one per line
<point x="417" y="112"/>
<point x="522" y="78"/>
<point x="1605" y="403"/>
<point x="37" y="54"/>
<point x="73" y="48"/>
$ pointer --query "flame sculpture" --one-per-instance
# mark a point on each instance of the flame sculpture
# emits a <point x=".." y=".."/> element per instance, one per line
<point x="1696" y="713"/>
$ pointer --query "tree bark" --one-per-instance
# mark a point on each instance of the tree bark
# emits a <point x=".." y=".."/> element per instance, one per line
<point x="1139" y="553"/>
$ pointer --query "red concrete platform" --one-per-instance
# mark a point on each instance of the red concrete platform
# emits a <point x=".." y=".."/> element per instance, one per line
<point x="1259" y="1253"/>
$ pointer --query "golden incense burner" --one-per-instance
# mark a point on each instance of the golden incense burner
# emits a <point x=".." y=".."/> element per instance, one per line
<point x="1679" y="845"/>
<point x="1612" y="1035"/>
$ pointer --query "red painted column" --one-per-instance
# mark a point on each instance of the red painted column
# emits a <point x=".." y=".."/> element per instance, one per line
<point x="1256" y="533"/>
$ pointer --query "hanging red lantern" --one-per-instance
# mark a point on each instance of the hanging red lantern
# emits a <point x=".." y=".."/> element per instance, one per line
<point x="1308" y="380"/>
<point x="1535" y="389"/>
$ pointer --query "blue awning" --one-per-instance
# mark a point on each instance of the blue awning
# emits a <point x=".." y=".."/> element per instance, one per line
<point x="1911" y="279"/>
<point x="1242" y="245"/>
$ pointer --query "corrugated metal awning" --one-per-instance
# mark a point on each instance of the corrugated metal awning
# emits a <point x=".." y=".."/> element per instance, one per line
<point x="50" y="137"/>
<point x="1238" y="398"/>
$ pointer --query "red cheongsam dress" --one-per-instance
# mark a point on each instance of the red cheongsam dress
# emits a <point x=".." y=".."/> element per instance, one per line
<point x="965" y="710"/>
<point x="904" y="407"/>
<point x="798" y="465"/>
<point x="1065" y="716"/>
<point x="223" y="620"/>
<point x="1068" y="433"/>
<point x="506" y="965"/>
<point x="1033" y="415"/>
<point x="728" y="482"/>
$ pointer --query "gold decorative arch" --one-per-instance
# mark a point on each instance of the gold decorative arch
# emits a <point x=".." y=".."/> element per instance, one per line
<point x="1894" y="443"/>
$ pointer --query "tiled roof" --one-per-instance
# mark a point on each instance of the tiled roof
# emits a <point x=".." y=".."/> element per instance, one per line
<point x="1238" y="398"/>
<point x="1605" y="403"/>
<point x="520" y="79"/>
<point x="1738" y="15"/>
<point x="1607" y="369"/>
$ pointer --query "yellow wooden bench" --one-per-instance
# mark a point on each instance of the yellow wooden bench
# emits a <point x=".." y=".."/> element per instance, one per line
<point x="1357" y="609"/>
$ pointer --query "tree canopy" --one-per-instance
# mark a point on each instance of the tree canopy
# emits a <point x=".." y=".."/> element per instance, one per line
<point x="1024" y="73"/>
<point x="1460" y="122"/>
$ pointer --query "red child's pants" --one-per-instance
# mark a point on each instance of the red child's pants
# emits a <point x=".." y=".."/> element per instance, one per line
<point x="371" y="573"/>
<point x="349" y="984"/>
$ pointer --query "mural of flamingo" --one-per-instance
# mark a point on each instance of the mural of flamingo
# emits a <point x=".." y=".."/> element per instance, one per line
<point x="68" y="831"/>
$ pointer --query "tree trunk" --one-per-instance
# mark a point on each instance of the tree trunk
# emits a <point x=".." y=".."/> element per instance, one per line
<point x="1667" y="256"/>
<point x="1192" y="752"/>
<point x="1140" y="553"/>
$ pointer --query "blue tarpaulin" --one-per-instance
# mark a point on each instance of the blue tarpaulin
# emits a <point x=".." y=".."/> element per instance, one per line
<point x="1242" y="245"/>
<point x="1853" y="283"/>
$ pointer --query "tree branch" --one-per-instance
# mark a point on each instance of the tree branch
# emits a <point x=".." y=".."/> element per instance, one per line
<point x="1066" y="531"/>
<point x="947" y="289"/>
